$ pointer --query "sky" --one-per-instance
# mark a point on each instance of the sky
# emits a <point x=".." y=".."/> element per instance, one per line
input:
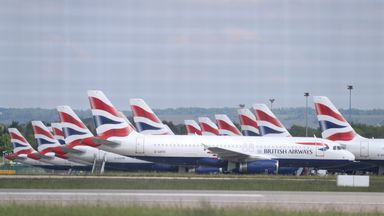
<point x="191" y="53"/>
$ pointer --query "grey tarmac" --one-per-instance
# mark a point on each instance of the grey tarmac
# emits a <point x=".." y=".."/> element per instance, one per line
<point x="318" y="201"/>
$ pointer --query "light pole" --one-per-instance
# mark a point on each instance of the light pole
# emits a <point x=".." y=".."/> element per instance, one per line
<point x="271" y="100"/>
<point x="306" y="94"/>
<point x="350" y="87"/>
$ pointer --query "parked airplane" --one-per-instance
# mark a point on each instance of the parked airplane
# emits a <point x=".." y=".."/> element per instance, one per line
<point x="75" y="131"/>
<point x="192" y="127"/>
<point x="47" y="145"/>
<point x="248" y="122"/>
<point x="208" y="128"/>
<point x="24" y="153"/>
<point x="146" y="120"/>
<point x="226" y="126"/>
<point x="58" y="132"/>
<point x="243" y="154"/>
<point x="268" y="124"/>
<point x="334" y="127"/>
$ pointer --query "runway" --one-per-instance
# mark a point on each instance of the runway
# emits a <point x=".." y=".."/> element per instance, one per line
<point x="342" y="201"/>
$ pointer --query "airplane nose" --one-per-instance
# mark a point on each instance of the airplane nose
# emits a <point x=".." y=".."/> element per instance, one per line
<point x="349" y="156"/>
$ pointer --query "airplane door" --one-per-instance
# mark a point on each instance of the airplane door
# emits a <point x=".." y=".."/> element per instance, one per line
<point x="140" y="145"/>
<point x="319" y="151"/>
<point x="364" y="149"/>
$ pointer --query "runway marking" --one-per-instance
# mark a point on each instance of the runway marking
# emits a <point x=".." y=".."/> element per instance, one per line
<point x="128" y="194"/>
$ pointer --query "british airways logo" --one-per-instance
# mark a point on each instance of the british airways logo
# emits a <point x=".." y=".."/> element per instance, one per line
<point x="288" y="151"/>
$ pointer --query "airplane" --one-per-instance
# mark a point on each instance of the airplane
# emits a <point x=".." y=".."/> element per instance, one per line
<point x="268" y="124"/>
<point x="226" y="126"/>
<point x="146" y="120"/>
<point x="24" y="153"/>
<point x="192" y="127"/>
<point x="50" y="148"/>
<point x="334" y="127"/>
<point x="57" y="132"/>
<point x="248" y="122"/>
<point x="238" y="153"/>
<point x="208" y="128"/>
<point x="75" y="131"/>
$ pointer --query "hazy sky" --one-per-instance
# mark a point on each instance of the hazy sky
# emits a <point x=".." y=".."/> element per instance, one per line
<point x="181" y="53"/>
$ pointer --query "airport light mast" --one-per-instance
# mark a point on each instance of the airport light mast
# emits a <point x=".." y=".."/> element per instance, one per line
<point x="350" y="87"/>
<point x="271" y="100"/>
<point x="306" y="94"/>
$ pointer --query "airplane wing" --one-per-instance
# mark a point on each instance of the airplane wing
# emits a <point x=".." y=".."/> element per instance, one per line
<point x="20" y="157"/>
<point x="227" y="154"/>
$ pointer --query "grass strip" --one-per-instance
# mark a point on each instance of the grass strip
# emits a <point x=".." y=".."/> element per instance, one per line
<point x="273" y="183"/>
<point x="42" y="210"/>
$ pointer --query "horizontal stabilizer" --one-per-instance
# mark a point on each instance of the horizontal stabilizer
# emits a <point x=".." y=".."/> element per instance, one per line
<point x="71" y="150"/>
<point x="99" y="141"/>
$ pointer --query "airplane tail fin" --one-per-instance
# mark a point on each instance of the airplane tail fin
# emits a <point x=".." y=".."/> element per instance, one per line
<point x="226" y="126"/>
<point x="333" y="125"/>
<point x="248" y="122"/>
<point x="192" y="127"/>
<point x="269" y="124"/>
<point x="107" y="119"/>
<point x="127" y="120"/>
<point x="44" y="138"/>
<point x="146" y="120"/>
<point x="208" y="128"/>
<point x="74" y="130"/>
<point x="57" y="132"/>
<point x="19" y="143"/>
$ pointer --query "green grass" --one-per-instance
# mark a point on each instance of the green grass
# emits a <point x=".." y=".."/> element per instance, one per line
<point x="278" y="183"/>
<point x="42" y="210"/>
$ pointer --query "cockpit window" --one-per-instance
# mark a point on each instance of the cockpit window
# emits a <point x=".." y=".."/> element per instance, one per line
<point x="337" y="148"/>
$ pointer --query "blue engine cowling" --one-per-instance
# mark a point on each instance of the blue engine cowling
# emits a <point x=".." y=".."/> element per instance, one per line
<point x="259" y="166"/>
<point x="211" y="162"/>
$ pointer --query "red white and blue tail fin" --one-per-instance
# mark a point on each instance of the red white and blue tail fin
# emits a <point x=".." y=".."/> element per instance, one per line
<point x="146" y="120"/>
<point x="74" y="130"/>
<point x="192" y="127"/>
<point x="226" y="126"/>
<point x="44" y="138"/>
<point x="108" y="120"/>
<point x="208" y="128"/>
<point x="19" y="143"/>
<point x="333" y="125"/>
<point x="268" y="123"/>
<point x="248" y="122"/>
<point x="57" y="132"/>
<point x="127" y="120"/>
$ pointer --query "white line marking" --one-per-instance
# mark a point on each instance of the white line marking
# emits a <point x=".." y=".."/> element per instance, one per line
<point x="128" y="194"/>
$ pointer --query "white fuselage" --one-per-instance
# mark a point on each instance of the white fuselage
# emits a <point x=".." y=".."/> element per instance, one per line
<point x="90" y="154"/>
<point x="185" y="150"/>
<point x="366" y="149"/>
